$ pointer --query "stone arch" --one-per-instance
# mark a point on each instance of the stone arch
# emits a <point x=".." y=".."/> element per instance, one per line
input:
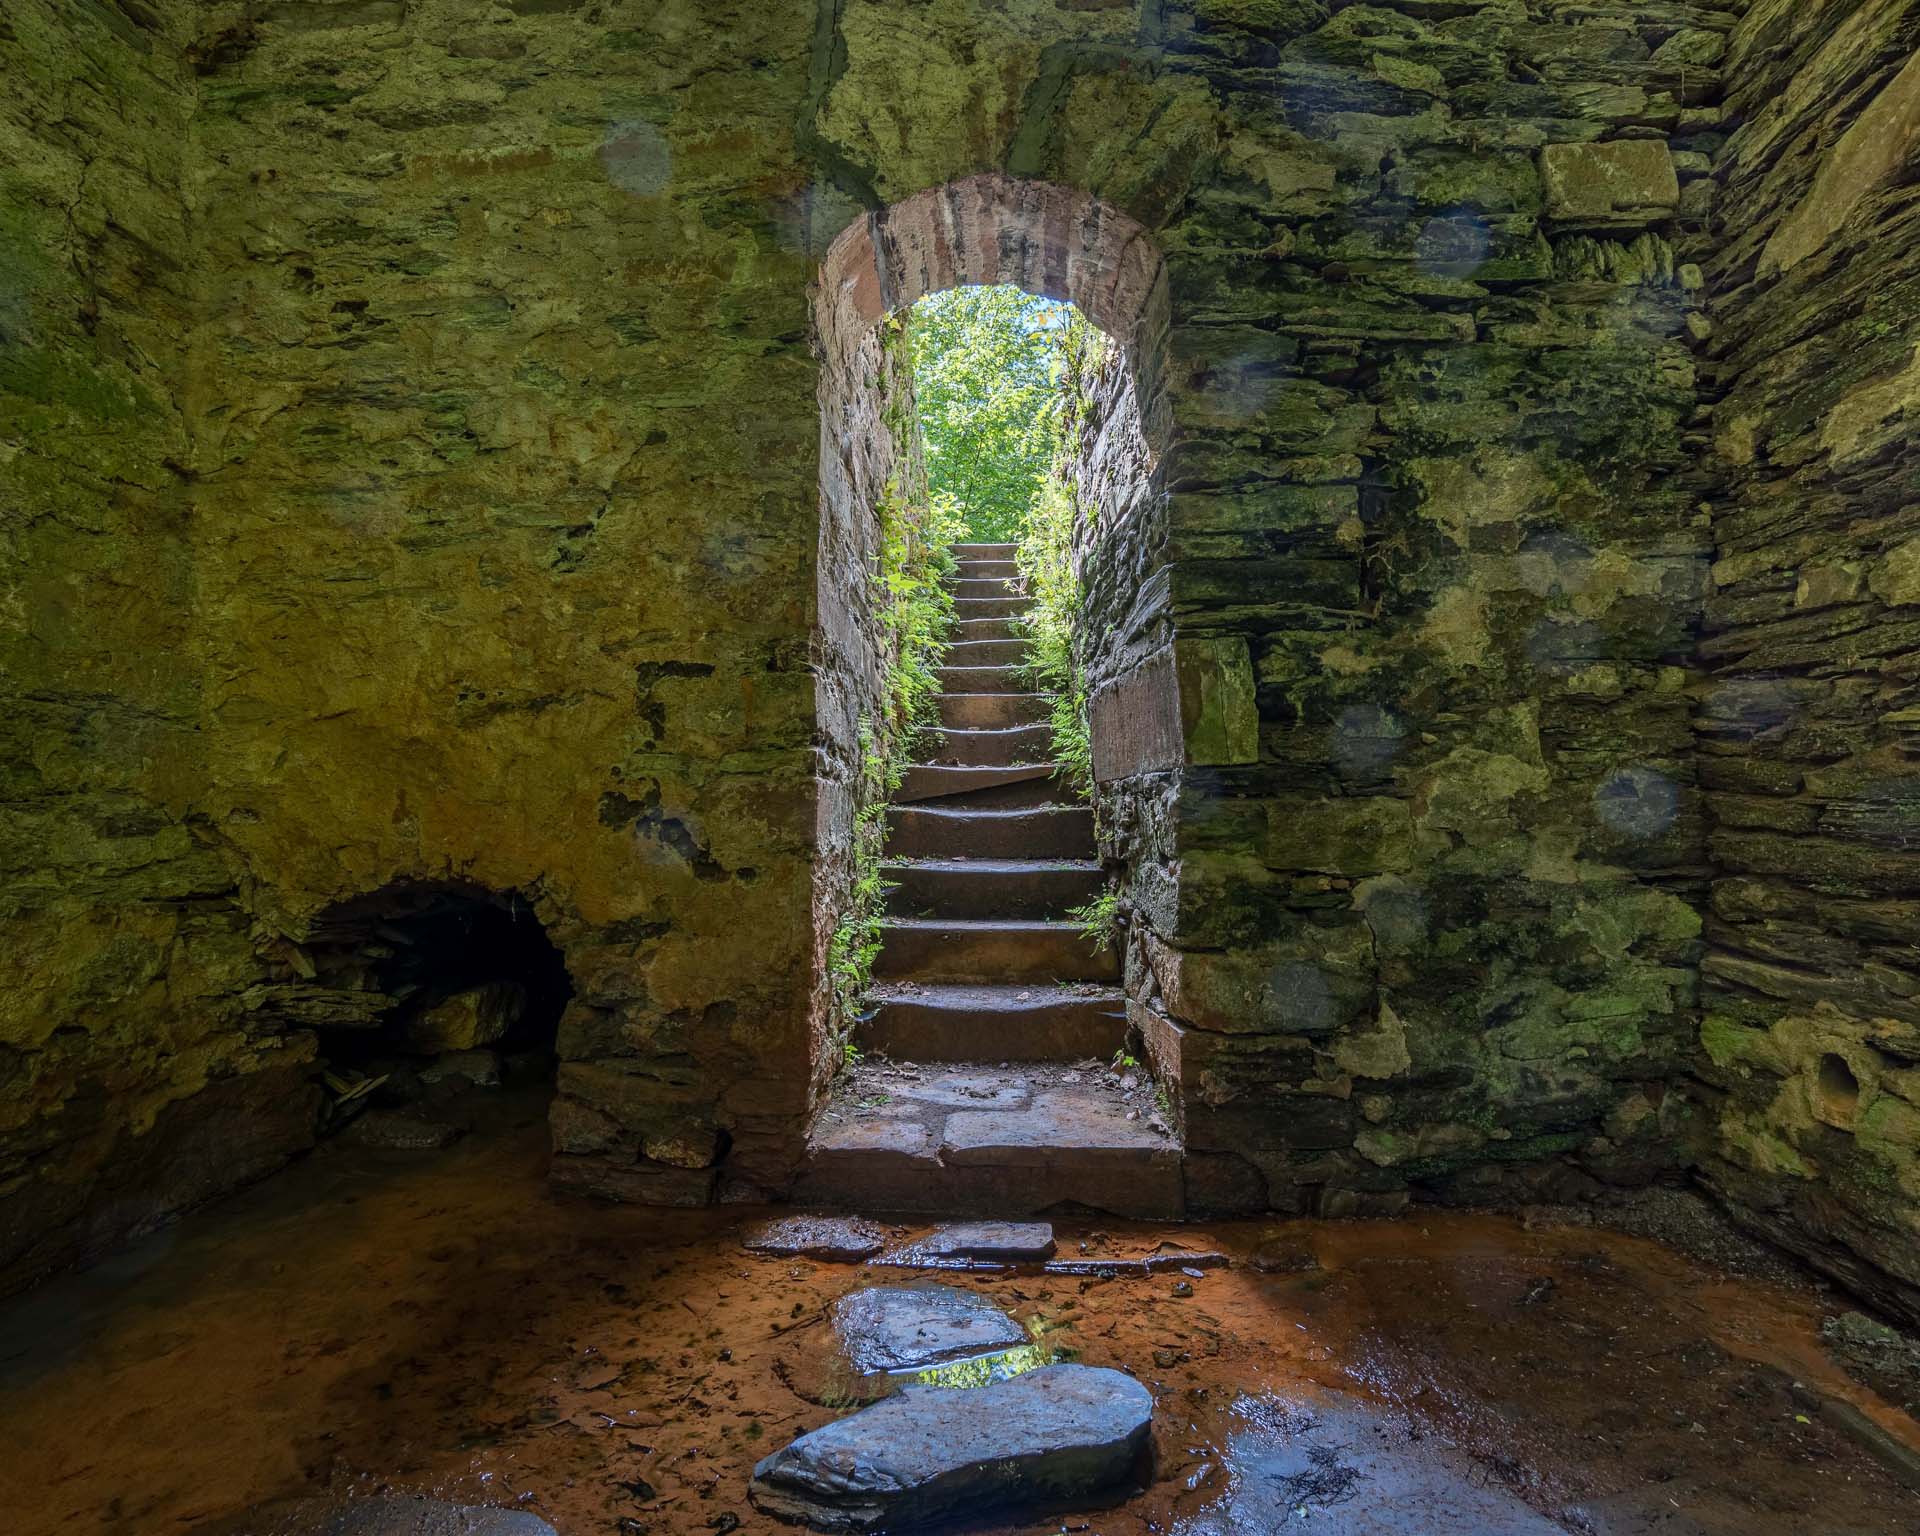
<point x="1058" y="243"/>
<point x="1054" y="241"/>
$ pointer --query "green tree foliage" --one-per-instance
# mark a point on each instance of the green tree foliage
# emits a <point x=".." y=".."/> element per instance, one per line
<point x="986" y="373"/>
<point x="1000" y="380"/>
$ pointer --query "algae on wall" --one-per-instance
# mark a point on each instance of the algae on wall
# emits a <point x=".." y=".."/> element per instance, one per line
<point x="1810" y="1044"/>
<point x="474" y="536"/>
<point x="133" y="1080"/>
<point x="506" y="437"/>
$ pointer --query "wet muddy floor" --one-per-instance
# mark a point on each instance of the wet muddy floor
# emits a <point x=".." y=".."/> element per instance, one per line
<point x="440" y="1323"/>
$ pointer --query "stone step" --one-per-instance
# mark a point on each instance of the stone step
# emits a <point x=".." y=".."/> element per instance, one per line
<point x="984" y="787"/>
<point x="984" y="551"/>
<point x="991" y="951"/>
<point x="985" y="570"/>
<point x="974" y="588"/>
<point x="1046" y="832"/>
<point x="986" y="629"/>
<point x="990" y="887"/>
<point x="1012" y="746"/>
<point x="999" y="679"/>
<point x="986" y="653"/>
<point x="976" y="1139"/>
<point x="953" y="1022"/>
<point x="993" y="711"/>
<point x="990" y="607"/>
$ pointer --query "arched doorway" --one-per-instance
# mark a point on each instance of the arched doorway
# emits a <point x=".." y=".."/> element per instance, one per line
<point x="993" y="977"/>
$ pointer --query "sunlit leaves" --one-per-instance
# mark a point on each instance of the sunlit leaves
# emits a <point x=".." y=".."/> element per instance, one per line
<point x="986" y="375"/>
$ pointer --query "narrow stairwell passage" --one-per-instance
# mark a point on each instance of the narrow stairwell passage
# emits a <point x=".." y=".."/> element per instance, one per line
<point x="985" y="1082"/>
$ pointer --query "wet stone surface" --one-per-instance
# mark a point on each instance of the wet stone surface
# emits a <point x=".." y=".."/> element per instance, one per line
<point x="993" y="1242"/>
<point x="1053" y="1435"/>
<point x="909" y="1327"/>
<point x="835" y="1239"/>
<point x="606" y="1369"/>
<point x="377" y="1517"/>
<point x="1341" y="1467"/>
<point x="1284" y="1256"/>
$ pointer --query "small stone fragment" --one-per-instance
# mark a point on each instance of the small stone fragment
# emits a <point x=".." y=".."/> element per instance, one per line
<point x="835" y="1239"/>
<point x="1284" y="1256"/>
<point x="1058" y="1433"/>
<point x="399" y="1131"/>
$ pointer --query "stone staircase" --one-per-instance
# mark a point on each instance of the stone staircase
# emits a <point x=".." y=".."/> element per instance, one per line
<point x="984" y="1085"/>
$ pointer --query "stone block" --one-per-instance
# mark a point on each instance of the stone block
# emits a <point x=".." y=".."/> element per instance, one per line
<point x="1341" y="837"/>
<point x="1275" y="1121"/>
<point x="1623" y="181"/>
<point x="1135" y="721"/>
<point x="1895" y="579"/>
<point x="467" y="1020"/>
<point x="1219" y="720"/>
<point x="1308" y="984"/>
<point x="641" y="1183"/>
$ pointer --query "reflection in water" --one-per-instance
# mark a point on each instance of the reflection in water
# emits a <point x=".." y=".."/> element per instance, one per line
<point x="982" y="1370"/>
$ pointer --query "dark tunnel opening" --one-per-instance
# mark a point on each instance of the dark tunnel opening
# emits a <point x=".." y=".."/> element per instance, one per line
<point x="445" y="988"/>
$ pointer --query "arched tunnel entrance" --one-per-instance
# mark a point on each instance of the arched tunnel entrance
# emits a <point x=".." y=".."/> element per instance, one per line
<point x="433" y="995"/>
<point x="1002" y="727"/>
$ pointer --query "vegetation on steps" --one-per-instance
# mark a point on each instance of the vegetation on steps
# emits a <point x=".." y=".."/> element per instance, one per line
<point x="915" y="607"/>
<point x="1046" y="558"/>
<point x="998" y="378"/>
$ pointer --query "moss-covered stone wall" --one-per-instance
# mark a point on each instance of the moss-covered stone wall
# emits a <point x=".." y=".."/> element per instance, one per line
<point x="1807" y="722"/>
<point x="132" y="1078"/>
<point x="873" y="485"/>
<point x="420" y="406"/>
<point x="1439" y="471"/>
<point x="505" y="433"/>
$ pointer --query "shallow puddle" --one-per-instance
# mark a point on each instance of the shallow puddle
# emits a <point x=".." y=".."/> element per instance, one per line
<point x="440" y="1323"/>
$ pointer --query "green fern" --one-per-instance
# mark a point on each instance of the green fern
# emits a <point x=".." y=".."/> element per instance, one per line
<point x="1099" y="919"/>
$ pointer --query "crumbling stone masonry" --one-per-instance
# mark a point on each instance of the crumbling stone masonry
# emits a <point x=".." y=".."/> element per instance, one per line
<point x="411" y="457"/>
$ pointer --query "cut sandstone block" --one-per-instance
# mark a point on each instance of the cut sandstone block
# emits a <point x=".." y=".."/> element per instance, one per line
<point x="1626" y="181"/>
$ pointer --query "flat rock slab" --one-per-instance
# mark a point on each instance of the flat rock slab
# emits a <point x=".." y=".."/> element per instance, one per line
<point x="909" y="1327"/>
<point x="999" y="1242"/>
<point x="1055" y="1434"/>
<point x="1056" y="1126"/>
<point x="976" y="1140"/>
<point x="1009" y="1241"/>
<point x="1341" y="1467"/>
<point x="838" y="1239"/>
<point x="376" y="1517"/>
